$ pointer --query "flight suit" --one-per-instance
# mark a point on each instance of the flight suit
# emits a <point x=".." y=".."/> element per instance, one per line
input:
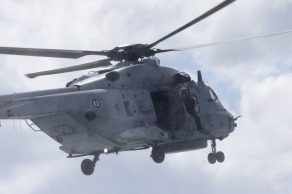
<point x="190" y="103"/>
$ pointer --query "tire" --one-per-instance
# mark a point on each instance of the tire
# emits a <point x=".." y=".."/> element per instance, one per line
<point x="87" y="167"/>
<point x="220" y="156"/>
<point x="212" y="158"/>
<point x="158" y="154"/>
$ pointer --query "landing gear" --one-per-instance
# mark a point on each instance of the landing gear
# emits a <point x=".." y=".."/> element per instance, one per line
<point x="220" y="156"/>
<point x="158" y="154"/>
<point x="87" y="166"/>
<point x="214" y="155"/>
<point x="212" y="158"/>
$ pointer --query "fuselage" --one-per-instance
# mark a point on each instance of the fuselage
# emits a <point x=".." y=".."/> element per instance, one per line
<point x="116" y="110"/>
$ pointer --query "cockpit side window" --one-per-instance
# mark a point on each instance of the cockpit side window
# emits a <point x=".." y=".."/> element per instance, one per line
<point x="215" y="100"/>
<point x="213" y="95"/>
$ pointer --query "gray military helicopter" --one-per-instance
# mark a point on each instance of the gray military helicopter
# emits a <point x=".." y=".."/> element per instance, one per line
<point x="133" y="105"/>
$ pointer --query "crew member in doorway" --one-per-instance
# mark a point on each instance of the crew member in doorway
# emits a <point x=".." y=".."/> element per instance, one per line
<point x="191" y="103"/>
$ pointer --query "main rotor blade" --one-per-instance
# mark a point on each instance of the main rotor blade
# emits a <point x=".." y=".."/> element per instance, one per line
<point x="223" y="42"/>
<point x="205" y="15"/>
<point x="57" y="53"/>
<point x="95" y="64"/>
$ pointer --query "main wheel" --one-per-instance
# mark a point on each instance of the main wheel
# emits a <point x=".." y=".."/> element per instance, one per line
<point x="87" y="167"/>
<point x="158" y="154"/>
<point x="212" y="158"/>
<point x="220" y="156"/>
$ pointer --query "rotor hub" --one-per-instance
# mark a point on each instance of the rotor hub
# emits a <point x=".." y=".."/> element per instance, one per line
<point x="132" y="52"/>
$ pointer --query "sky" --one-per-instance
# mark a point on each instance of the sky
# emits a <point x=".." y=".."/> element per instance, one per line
<point x="252" y="79"/>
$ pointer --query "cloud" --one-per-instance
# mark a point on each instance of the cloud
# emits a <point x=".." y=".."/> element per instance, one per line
<point x="252" y="79"/>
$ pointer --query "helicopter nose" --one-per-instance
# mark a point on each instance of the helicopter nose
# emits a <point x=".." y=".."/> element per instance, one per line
<point x="231" y="122"/>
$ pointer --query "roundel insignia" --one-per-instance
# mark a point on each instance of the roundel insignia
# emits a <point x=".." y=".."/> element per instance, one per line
<point x="95" y="103"/>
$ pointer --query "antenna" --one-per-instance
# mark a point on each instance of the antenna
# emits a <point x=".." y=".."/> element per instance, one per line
<point x="200" y="79"/>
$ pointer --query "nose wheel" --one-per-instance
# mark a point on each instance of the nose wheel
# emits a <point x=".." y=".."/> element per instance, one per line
<point x="87" y="165"/>
<point x="214" y="155"/>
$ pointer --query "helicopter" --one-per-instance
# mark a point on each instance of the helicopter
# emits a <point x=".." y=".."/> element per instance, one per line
<point x="133" y="105"/>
